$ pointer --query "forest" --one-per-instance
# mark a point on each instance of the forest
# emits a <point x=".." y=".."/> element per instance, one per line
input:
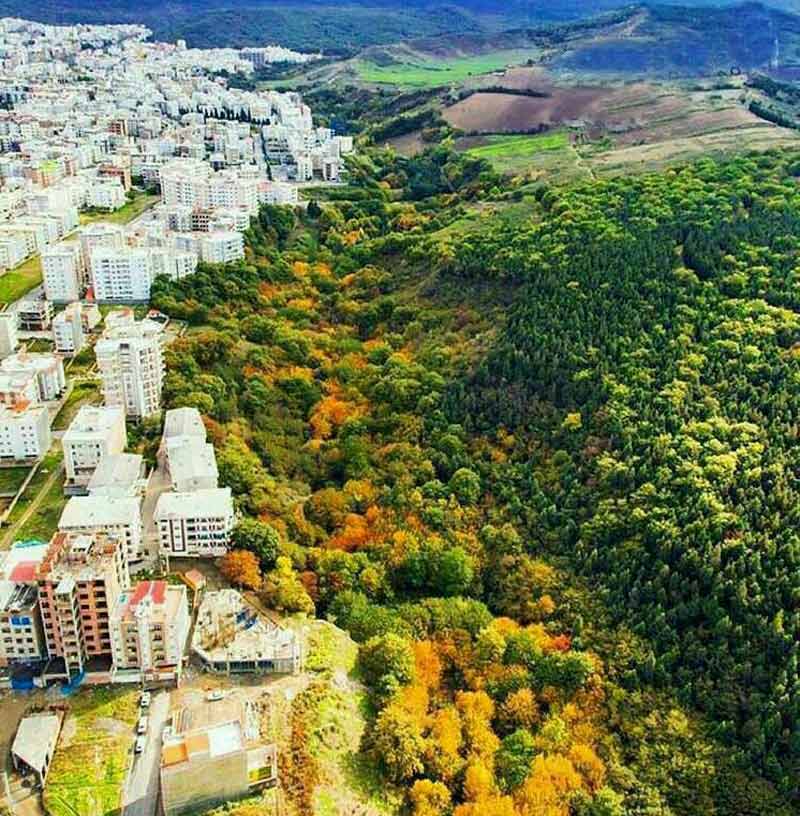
<point x="542" y="467"/>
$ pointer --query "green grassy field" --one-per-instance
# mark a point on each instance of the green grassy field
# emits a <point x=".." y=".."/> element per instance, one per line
<point x="514" y="153"/>
<point x="12" y="478"/>
<point x="83" y="393"/>
<point x="425" y="73"/>
<point x="88" y="768"/>
<point x="52" y="461"/>
<point x="20" y="280"/>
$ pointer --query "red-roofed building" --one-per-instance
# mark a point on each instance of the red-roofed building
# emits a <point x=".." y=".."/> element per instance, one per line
<point x="150" y="630"/>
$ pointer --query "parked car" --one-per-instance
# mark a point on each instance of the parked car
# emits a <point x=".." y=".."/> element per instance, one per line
<point x="144" y="700"/>
<point x="215" y="695"/>
<point x="141" y="726"/>
<point x="138" y="746"/>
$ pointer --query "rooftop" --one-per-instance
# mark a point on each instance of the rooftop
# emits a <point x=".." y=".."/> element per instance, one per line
<point x="99" y="511"/>
<point x="117" y="474"/>
<point x="36" y="737"/>
<point x="93" y="421"/>
<point x="207" y="503"/>
<point x="184" y="422"/>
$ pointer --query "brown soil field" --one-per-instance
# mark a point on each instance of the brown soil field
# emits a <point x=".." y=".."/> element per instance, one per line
<point x="697" y="124"/>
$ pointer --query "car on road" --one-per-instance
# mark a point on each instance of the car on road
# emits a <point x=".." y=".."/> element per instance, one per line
<point x="138" y="746"/>
<point x="212" y="696"/>
<point x="144" y="700"/>
<point x="141" y="726"/>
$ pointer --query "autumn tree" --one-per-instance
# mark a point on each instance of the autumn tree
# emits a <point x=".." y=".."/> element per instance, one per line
<point x="241" y="568"/>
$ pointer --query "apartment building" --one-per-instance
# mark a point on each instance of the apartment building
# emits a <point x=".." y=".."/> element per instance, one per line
<point x="34" y="315"/>
<point x="9" y="336"/>
<point x="94" y="433"/>
<point x="13" y="250"/>
<point x="100" y="235"/>
<point x="24" y="432"/>
<point x="131" y="364"/>
<point x="68" y="331"/>
<point x="21" y="634"/>
<point x="80" y="580"/>
<point x="121" y="275"/>
<point x="63" y="273"/>
<point x="47" y="371"/>
<point x="221" y="247"/>
<point x="119" y="475"/>
<point x="196" y="524"/>
<point x="18" y="388"/>
<point x="150" y="629"/>
<point x="107" y="194"/>
<point x="120" y="517"/>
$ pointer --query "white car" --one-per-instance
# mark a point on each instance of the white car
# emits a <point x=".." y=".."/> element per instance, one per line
<point x="138" y="746"/>
<point x="144" y="700"/>
<point x="213" y="696"/>
<point x="141" y="726"/>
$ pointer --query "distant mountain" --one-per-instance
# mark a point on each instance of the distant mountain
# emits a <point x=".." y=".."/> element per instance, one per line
<point x="330" y="25"/>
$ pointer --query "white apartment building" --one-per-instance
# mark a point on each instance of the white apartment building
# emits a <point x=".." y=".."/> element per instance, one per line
<point x="221" y="247"/>
<point x="62" y="272"/>
<point x="24" y="432"/>
<point x="196" y="524"/>
<point x="149" y="630"/>
<point x="107" y="195"/>
<point x="68" y="334"/>
<point x="47" y="371"/>
<point x="100" y="234"/>
<point x="121" y="275"/>
<point x="9" y="339"/>
<point x="119" y="517"/>
<point x="94" y="433"/>
<point x="34" y="315"/>
<point x="18" y="388"/>
<point x="131" y="363"/>
<point x="13" y="250"/>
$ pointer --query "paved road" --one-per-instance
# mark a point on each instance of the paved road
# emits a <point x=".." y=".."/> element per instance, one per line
<point x="158" y="483"/>
<point x="141" y="788"/>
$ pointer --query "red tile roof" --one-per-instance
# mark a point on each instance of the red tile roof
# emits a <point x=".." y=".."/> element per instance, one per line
<point x="24" y="572"/>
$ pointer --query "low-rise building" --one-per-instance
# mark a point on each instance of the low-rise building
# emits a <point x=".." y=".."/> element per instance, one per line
<point x="150" y="629"/>
<point x="196" y="524"/>
<point x="35" y="744"/>
<point x="94" y="433"/>
<point x="212" y="754"/>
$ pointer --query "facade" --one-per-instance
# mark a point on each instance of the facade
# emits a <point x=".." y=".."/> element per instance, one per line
<point x="121" y="275"/>
<point x="24" y="432"/>
<point x="9" y="337"/>
<point x="93" y="434"/>
<point x="34" y="315"/>
<point x="221" y="247"/>
<point x="80" y="581"/>
<point x="68" y="333"/>
<point x="100" y="235"/>
<point x="149" y="630"/>
<point x="131" y="364"/>
<point x="118" y="517"/>
<point x="62" y="273"/>
<point x="196" y="524"/>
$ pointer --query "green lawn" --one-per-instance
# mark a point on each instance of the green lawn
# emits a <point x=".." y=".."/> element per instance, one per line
<point x="515" y="152"/>
<point x="88" y="769"/>
<point x="426" y="73"/>
<point x="12" y="478"/>
<point x="133" y="209"/>
<point x="43" y="522"/>
<point x="20" y="280"/>
<point x="51" y="461"/>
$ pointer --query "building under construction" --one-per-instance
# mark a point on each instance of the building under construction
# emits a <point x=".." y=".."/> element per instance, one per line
<point x="230" y="636"/>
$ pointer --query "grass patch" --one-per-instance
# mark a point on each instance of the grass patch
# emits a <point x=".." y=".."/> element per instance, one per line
<point x="133" y="209"/>
<point x="52" y="461"/>
<point x="38" y="344"/>
<point x="426" y="73"/>
<point x="18" y="281"/>
<point x="88" y="769"/>
<point x="43" y="522"/>
<point x="11" y="479"/>
<point x="510" y="153"/>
